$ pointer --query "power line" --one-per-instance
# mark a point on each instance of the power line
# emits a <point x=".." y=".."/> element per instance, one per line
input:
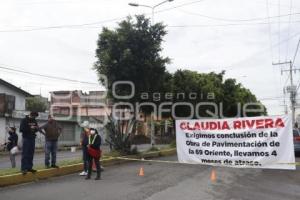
<point x="270" y="41"/>
<point x="285" y="93"/>
<point x="286" y="81"/>
<point x="46" y="76"/>
<point x="224" y="25"/>
<point x="290" y="89"/>
<point x="65" y="26"/>
<point x="296" y="52"/>
<point x="270" y="31"/>
<point x="179" y="6"/>
<point x="298" y="85"/>
<point x="92" y="23"/>
<point x="238" y="20"/>
<point x="275" y="4"/>
<point x="267" y="98"/>
<point x="289" y="27"/>
<point x="86" y="25"/>
<point x="208" y="25"/>
<point x="293" y="62"/>
<point x="237" y="64"/>
<point x="279" y="30"/>
<point x="45" y="2"/>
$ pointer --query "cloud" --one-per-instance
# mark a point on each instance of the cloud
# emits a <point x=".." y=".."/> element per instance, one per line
<point x="242" y="50"/>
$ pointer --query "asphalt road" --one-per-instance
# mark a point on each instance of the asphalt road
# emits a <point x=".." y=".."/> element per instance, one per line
<point x="165" y="181"/>
<point x="39" y="158"/>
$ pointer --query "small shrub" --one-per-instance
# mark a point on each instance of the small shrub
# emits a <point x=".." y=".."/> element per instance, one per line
<point x="119" y="134"/>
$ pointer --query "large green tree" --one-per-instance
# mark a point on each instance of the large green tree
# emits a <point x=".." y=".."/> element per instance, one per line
<point x="228" y="95"/>
<point x="132" y="52"/>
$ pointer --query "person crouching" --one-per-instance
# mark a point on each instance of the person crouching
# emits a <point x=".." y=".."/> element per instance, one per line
<point x="94" y="153"/>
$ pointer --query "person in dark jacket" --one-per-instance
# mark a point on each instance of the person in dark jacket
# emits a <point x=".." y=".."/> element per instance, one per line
<point x="94" y="143"/>
<point x="12" y="142"/>
<point x="28" y="128"/>
<point x="52" y="131"/>
<point x="84" y="141"/>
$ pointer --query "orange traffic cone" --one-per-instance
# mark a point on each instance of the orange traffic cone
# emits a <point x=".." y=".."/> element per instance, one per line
<point x="213" y="176"/>
<point x="141" y="172"/>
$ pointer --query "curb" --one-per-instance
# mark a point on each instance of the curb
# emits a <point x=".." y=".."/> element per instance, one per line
<point x="16" y="179"/>
<point x="41" y="150"/>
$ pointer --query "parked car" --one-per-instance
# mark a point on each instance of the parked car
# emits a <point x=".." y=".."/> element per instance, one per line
<point x="296" y="135"/>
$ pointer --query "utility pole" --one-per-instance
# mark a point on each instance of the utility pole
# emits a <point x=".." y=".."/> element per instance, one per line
<point x="152" y="127"/>
<point x="285" y="106"/>
<point x="292" y="89"/>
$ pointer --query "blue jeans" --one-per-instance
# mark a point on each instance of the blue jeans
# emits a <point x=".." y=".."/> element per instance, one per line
<point x="50" y="148"/>
<point x="27" y="153"/>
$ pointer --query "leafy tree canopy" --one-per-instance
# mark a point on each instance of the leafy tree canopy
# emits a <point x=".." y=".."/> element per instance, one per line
<point x="36" y="104"/>
<point x="132" y="52"/>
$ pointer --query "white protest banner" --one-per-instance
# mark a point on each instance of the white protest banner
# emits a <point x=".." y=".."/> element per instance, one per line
<point x="252" y="142"/>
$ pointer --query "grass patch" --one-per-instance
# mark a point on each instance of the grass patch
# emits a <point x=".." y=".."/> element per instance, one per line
<point x="70" y="162"/>
<point x="4" y="172"/>
<point x="173" y="144"/>
<point x="153" y="148"/>
<point x="10" y="171"/>
<point x="112" y="154"/>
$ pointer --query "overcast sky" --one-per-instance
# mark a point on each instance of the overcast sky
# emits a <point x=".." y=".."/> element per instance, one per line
<point x="58" y="38"/>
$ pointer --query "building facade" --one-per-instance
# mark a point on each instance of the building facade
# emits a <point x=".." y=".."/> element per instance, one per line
<point x="12" y="111"/>
<point x="78" y="104"/>
<point x="19" y="95"/>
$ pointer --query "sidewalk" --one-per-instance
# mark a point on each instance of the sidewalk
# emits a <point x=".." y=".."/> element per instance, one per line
<point x="61" y="156"/>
